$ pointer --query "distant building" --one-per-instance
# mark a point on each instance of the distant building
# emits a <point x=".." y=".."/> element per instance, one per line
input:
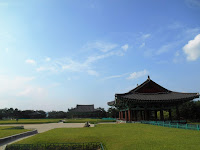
<point x="84" y="111"/>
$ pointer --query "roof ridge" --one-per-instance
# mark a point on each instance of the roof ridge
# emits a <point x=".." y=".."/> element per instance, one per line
<point x="144" y="83"/>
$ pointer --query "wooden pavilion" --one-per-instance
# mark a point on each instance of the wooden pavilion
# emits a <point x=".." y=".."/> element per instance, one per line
<point x="84" y="111"/>
<point x="144" y="101"/>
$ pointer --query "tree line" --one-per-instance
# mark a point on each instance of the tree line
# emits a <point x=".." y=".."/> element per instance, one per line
<point x="188" y="111"/>
<point x="10" y="113"/>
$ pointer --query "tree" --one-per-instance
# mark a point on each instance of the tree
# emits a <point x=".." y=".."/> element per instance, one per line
<point x="113" y="112"/>
<point x="57" y="114"/>
<point x="187" y="110"/>
<point x="102" y="112"/>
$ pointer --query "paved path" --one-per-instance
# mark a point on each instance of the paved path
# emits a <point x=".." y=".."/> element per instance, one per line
<point x="43" y="128"/>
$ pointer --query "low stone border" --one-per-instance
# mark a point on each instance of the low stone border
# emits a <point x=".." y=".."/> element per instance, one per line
<point x="16" y="136"/>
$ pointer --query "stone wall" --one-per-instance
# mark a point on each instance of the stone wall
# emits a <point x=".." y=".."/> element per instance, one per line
<point x="16" y="136"/>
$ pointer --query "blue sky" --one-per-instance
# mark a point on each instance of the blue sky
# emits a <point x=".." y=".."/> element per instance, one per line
<point x="56" y="54"/>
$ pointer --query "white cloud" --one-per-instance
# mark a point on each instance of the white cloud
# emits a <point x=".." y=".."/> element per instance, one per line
<point x="6" y="50"/>
<point x="31" y="61"/>
<point x="11" y="85"/>
<point x="102" y="46"/>
<point x="24" y="79"/>
<point x="166" y="48"/>
<point x="145" y="36"/>
<point x="162" y="62"/>
<point x="72" y="65"/>
<point x="192" y="49"/>
<point x="182" y="35"/>
<point x="93" y="73"/>
<point x="190" y="32"/>
<point x="32" y="91"/>
<point x="20" y="86"/>
<point x="136" y="75"/>
<point x="42" y="68"/>
<point x="142" y="45"/>
<point x="176" y="25"/>
<point x="177" y="53"/>
<point x="125" y="47"/>
<point x="3" y="4"/>
<point x="86" y="65"/>
<point x="76" y="66"/>
<point x="193" y="3"/>
<point x="115" y="76"/>
<point x="163" y="49"/>
<point x="177" y="57"/>
<point x="92" y="59"/>
<point x="47" y="59"/>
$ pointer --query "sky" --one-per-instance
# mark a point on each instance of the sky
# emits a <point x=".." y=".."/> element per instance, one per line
<point x="56" y="54"/>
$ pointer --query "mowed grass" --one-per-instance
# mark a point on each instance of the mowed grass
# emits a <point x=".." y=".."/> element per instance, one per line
<point x="197" y="123"/>
<point x="8" y="131"/>
<point x="29" y="121"/>
<point x="92" y="121"/>
<point x="40" y="121"/>
<point x="123" y="137"/>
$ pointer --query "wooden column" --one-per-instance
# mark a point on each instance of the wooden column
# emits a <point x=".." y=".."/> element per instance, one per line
<point x="119" y="115"/>
<point x="161" y="115"/>
<point x="135" y="113"/>
<point x="141" y="117"/>
<point x="155" y="114"/>
<point x="125" y="115"/>
<point x="170" y="115"/>
<point x="177" y="113"/>
<point x="148" y="115"/>
<point x="145" y="115"/>
<point x="129" y="115"/>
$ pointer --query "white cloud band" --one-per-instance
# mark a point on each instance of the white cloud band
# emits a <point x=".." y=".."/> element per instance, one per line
<point x="192" y="49"/>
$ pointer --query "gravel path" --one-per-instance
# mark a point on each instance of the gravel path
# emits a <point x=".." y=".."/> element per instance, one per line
<point x="43" y="128"/>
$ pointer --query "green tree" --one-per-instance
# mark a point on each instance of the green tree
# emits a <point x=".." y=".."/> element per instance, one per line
<point x="113" y="112"/>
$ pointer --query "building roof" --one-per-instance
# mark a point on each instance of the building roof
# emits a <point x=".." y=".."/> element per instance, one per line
<point x="149" y="91"/>
<point x="171" y="96"/>
<point x="83" y="108"/>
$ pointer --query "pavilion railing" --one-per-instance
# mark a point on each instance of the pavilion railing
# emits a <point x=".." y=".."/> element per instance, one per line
<point x="57" y="146"/>
<point x="173" y="125"/>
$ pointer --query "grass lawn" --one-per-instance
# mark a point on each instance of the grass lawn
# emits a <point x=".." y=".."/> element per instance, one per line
<point x="92" y="121"/>
<point x="29" y="121"/>
<point x="39" y="121"/>
<point x="194" y="123"/>
<point x="7" y="131"/>
<point x="123" y="137"/>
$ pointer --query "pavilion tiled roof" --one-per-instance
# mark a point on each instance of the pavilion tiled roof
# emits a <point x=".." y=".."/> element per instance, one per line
<point x="83" y="108"/>
<point x="149" y="91"/>
<point x="170" y="96"/>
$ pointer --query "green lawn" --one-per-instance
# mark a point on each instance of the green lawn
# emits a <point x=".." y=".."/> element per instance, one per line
<point x="194" y="123"/>
<point x="39" y="121"/>
<point x="124" y="137"/>
<point x="7" y="131"/>
<point x="92" y="121"/>
<point x="29" y="121"/>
